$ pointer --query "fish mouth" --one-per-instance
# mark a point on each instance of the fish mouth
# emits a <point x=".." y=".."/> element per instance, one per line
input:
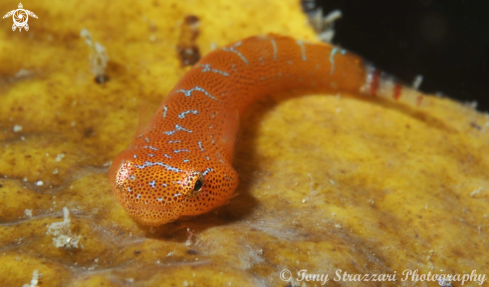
<point x="152" y="215"/>
<point x="149" y="214"/>
<point x="153" y="221"/>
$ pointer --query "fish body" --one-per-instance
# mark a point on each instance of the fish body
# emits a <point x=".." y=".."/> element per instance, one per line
<point x="180" y="163"/>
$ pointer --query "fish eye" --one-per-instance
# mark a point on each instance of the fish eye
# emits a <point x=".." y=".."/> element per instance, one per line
<point x="193" y="183"/>
<point x="198" y="185"/>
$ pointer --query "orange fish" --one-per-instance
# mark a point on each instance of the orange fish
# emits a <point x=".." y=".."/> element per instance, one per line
<point x="180" y="165"/>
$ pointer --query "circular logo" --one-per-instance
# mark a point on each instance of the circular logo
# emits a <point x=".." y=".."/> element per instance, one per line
<point x="285" y="275"/>
<point x="20" y="17"/>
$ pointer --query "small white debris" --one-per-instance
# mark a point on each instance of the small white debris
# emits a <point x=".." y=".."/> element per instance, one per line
<point x="62" y="232"/>
<point x="189" y="237"/>
<point x="55" y="171"/>
<point x="477" y="191"/>
<point x="129" y="280"/>
<point x="17" y="128"/>
<point x="323" y="25"/>
<point x="36" y="278"/>
<point x="445" y="282"/>
<point x="471" y="105"/>
<point x="333" y="16"/>
<point x="23" y="73"/>
<point x="59" y="157"/>
<point x="98" y="57"/>
<point x="185" y="283"/>
<point x="39" y="183"/>
<point x="337" y="226"/>
<point x="418" y="80"/>
<point x="28" y="212"/>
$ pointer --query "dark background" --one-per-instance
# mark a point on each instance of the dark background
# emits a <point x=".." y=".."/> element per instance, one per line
<point x="445" y="41"/>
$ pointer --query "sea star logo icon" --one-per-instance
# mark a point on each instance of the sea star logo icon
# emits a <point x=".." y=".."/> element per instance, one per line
<point x="20" y="17"/>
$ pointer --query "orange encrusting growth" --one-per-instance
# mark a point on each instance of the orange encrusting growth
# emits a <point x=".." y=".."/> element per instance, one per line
<point x="181" y="163"/>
